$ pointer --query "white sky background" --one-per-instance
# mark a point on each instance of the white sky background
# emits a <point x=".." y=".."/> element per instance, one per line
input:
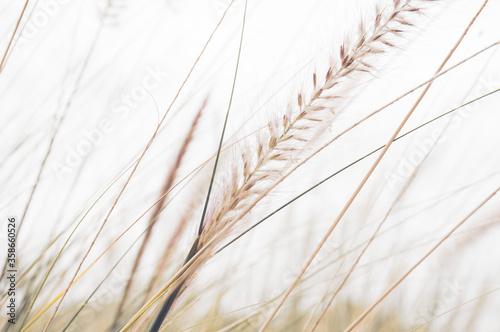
<point x="284" y="43"/>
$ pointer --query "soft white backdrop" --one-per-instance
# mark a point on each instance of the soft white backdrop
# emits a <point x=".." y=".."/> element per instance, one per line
<point x="68" y="64"/>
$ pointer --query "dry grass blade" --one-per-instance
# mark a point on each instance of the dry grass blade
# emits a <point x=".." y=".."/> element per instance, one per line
<point x="482" y="296"/>
<point x="400" y="280"/>
<point x="4" y="57"/>
<point x="169" y="302"/>
<point x="168" y="252"/>
<point x="169" y="180"/>
<point x="363" y="251"/>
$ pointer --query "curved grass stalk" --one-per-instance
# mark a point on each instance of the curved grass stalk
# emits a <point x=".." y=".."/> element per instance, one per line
<point x="4" y="57"/>
<point x="455" y="308"/>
